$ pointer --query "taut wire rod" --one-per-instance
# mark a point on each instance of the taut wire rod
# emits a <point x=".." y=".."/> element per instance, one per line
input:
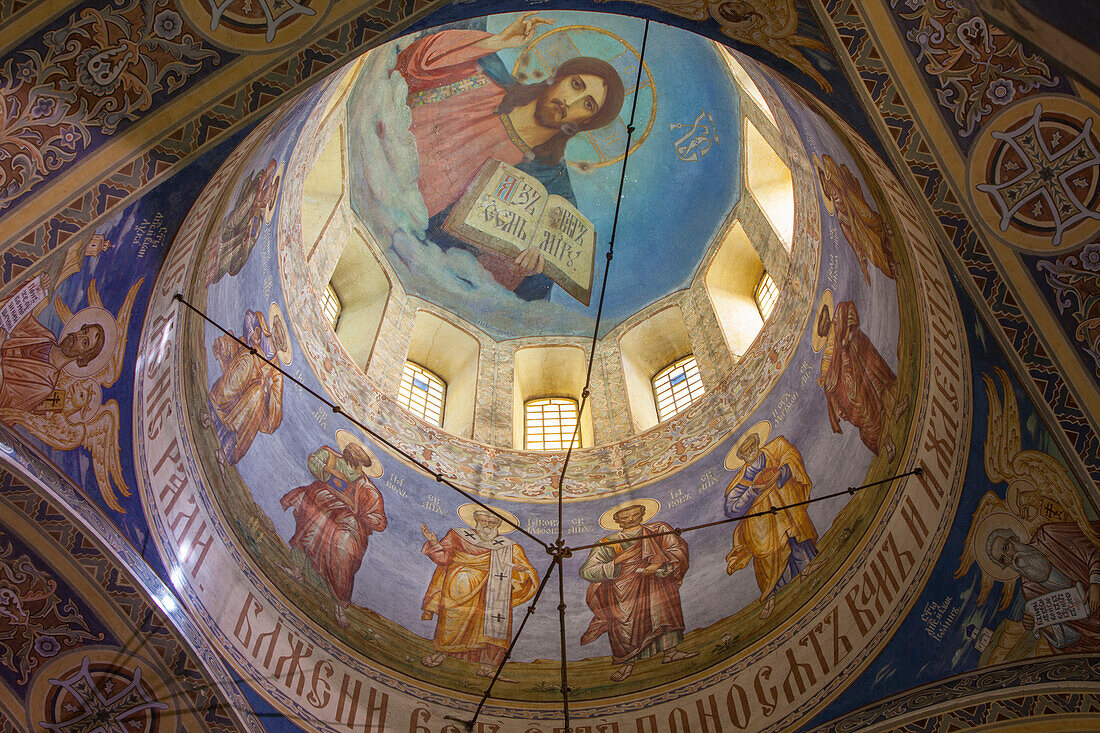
<point x="439" y="477"/>
<point x="603" y="286"/>
<point x="851" y="490"/>
<point x="512" y="645"/>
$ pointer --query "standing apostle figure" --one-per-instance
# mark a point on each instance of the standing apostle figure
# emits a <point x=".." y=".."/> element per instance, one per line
<point x="780" y="544"/>
<point x="635" y="577"/>
<point x="481" y="576"/>
<point x="334" y="515"/>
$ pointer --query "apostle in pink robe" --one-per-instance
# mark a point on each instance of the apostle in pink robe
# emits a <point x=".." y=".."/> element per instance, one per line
<point x="858" y="383"/>
<point x="334" y="516"/>
<point x="635" y="577"/>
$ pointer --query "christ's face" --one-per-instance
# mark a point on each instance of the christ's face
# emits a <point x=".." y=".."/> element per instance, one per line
<point x="571" y="99"/>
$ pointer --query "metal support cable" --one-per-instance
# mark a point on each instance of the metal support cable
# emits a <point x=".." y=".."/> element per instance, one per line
<point x="851" y="490"/>
<point x="603" y="285"/>
<point x="340" y="411"/>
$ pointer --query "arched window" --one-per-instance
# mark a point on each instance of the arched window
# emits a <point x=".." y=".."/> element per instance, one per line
<point x="549" y="423"/>
<point x="422" y="393"/>
<point x="766" y="295"/>
<point x="677" y="386"/>
<point x="331" y="306"/>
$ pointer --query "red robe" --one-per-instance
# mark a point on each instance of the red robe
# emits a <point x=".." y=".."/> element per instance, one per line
<point x="1078" y="559"/>
<point x="856" y="379"/>
<point x="454" y="120"/>
<point x="332" y="521"/>
<point x="640" y="613"/>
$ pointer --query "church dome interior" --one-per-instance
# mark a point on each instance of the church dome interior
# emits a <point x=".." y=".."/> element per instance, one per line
<point x="573" y="367"/>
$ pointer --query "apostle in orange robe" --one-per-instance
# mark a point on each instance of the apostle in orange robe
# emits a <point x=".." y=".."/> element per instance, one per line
<point x="780" y="546"/>
<point x="248" y="396"/>
<point x="481" y="576"/>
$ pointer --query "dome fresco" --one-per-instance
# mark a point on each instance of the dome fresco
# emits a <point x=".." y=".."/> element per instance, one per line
<point x="678" y="193"/>
<point x="869" y="520"/>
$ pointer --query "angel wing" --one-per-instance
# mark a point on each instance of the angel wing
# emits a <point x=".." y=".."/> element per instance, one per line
<point x="52" y="428"/>
<point x="113" y="368"/>
<point x="990" y="504"/>
<point x="101" y="440"/>
<point x="1005" y="461"/>
<point x="1002" y="435"/>
<point x="771" y="25"/>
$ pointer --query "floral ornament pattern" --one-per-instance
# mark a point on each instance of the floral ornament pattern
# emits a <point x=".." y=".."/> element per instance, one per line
<point x="34" y="622"/>
<point x="97" y="72"/>
<point x="1075" y="279"/>
<point x="979" y="68"/>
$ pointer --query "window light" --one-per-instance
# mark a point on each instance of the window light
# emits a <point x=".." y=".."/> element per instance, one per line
<point x="422" y="393"/>
<point x="549" y="423"/>
<point x="331" y="306"/>
<point x="677" y="386"/>
<point x="766" y="295"/>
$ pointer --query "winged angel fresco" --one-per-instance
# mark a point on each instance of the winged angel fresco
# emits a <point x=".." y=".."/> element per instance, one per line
<point x="770" y="24"/>
<point x="72" y="414"/>
<point x="1041" y="505"/>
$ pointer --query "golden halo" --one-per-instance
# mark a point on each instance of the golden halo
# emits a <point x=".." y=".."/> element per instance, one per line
<point x="825" y="198"/>
<point x="344" y="439"/>
<point x="85" y="317"/>
<point x="466" y="513"/>
<point x="762" y="430"/>
<point x="651" y="506"/>
<point x="284" y="354"/>
<point x="996" y="520"/>
<point x="817" y="342"/>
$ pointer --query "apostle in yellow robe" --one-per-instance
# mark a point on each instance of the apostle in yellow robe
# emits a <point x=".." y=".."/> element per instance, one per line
<point x="780" y="545"/>
<point x="481" y="576"/>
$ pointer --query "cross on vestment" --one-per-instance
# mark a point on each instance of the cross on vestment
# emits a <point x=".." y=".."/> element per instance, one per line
<point x="498" y="617"/>
<point x="498" y="541"/>
<point x="500" y="576"/>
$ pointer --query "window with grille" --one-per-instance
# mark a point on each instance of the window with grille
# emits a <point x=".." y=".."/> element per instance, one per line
<point x="549" y="423"/>
<point x="767" y="293"/>
<point x="422" y="393"/>
<point x="677" y="386"/>
<point x="330" y="305"/>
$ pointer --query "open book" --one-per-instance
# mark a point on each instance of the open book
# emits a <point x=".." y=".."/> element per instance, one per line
<point x="508" y="211"/>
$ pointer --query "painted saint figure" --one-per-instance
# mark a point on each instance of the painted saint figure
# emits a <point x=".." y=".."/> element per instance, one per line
<point x="251" y="209"/>
<point x="635" y="576"/>
<point x="467" y="109"/>
<point x="863" y="227"/>
<point x="32" y="358"/>
<point x="248" y="396"/>
<point x="860" y="387"/>
<point x="481" y="575"/>
<point x="781" y="545"/>
<point x="336" y="514"/>
<point x="1058" y="556"/>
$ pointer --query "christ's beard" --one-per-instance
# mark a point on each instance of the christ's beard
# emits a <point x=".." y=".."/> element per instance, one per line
<point x="1031" y="564"/>
<point x="546" y="114"/>
<point x="487" y="533"/>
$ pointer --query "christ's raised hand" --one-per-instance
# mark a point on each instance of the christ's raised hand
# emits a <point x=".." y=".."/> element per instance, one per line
<point x="519" y="32"/>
